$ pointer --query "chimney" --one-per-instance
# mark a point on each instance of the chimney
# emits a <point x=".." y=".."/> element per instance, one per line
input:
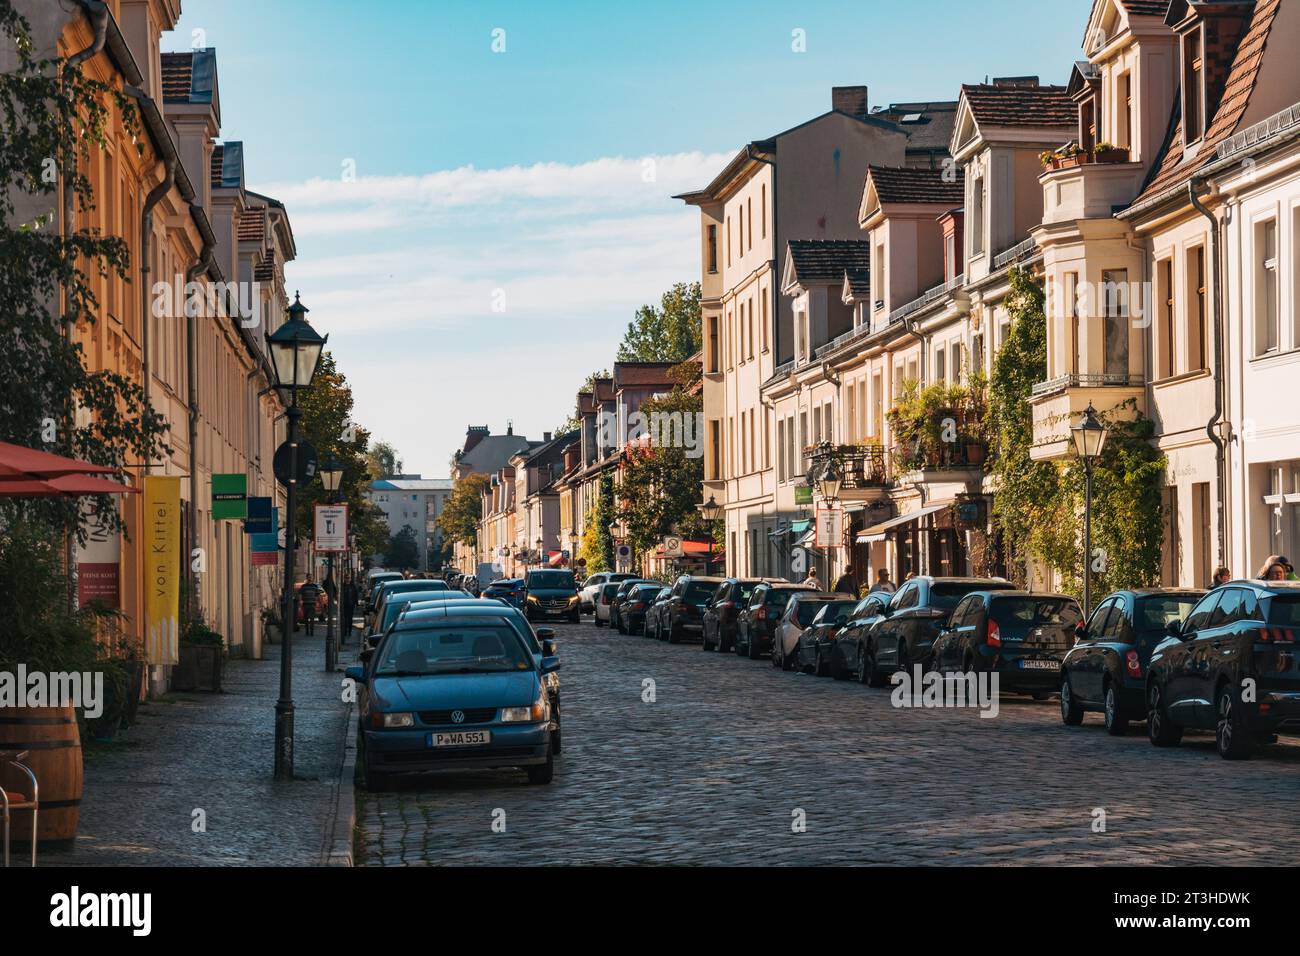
<point x="546" y="436"/>
<point x="473" y="435"/>
<point x="851" y="100"/>
<point x="1017" y="82"/>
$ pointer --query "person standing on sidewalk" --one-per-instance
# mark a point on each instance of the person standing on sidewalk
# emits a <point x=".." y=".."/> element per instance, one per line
<point x="847" y="583"/>
<point x="308" y="599"/>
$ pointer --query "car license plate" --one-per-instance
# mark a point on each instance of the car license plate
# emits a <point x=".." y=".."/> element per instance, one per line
<point x="461" y="738"/>
<point x="1039" y="665"/>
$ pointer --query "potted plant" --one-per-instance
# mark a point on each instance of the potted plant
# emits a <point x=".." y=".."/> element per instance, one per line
<point x="1050" y="159"/>
<point x="1110" y="153"/>
<point x="201" y="659"/>
<point x="1072" y="154"/>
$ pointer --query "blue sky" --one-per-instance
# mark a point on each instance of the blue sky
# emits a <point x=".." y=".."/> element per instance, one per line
<point x="475" y="228"/>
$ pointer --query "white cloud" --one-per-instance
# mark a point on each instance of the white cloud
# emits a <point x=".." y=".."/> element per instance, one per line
<point x="402" y="273"/>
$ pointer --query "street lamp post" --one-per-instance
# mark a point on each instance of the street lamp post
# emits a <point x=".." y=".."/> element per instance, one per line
<point x="1089" y="439"/>
<point x="295" y="349"/>
<point x="710" y="511"/>
<point x="331" y="476"/>
<point x="829" y="484"/>
<point x="541" y="561"/>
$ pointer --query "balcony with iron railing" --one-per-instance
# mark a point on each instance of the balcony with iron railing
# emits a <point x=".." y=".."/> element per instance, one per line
<point x="1060" y="402"/>
<point x="861" y="467"/>
<point x="1020" y="252"/>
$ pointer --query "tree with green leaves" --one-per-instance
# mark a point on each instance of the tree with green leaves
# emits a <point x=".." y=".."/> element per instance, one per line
<point x="383" y="461"/>
<point x="55" y="123"/>
<point x="671" y="332"/>
<point x="403" y="552"/>
<point x="463" y="510"/>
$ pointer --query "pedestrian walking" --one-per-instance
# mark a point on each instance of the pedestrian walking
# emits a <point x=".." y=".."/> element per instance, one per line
<point x="308" y="599"/>
<point x="847" y="583"/>
<point x="1276" y="568"/>
<point x="812" y="580"/>
<point x="882" y="582"/>
<point x="350" y="597"/>
<point x="1221" y="577"/>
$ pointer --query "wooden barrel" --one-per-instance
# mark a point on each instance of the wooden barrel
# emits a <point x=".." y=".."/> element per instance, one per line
<point x="53" y="744"/>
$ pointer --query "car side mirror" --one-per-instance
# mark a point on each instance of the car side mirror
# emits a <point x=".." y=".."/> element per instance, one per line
<point x="1081" y="631"/>
<point x="366" y="654"/>
<point x="1174" y="629"/>
<point x="545" y="633"/>
<point x="356" y="674"/>
<point x="550" y="665"/>
<point x="548" y="648"/>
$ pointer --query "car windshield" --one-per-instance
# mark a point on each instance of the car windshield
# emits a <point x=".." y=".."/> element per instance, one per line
<point x="808" y="610"/>
<point x="947" y="595"/>
<point x="1285" y="611"/>
<point x="835" y="611"/>
<point x="697" y="592"/>
<point x="552" y="580"/>
<point x="1027" y="610"/>
<point x="1155" y="613"/>
<point x="473" y="648"/>
<point x="608" y="590"/>
<point x="400" y="602"/>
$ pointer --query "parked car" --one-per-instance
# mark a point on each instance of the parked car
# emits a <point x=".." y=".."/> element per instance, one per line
<point x="656" y="612"/>
<point x="721" y="613"/>
<point x="1231" y="667"/>
<point x="550" y="593"/>
<point x="510" y="590"/>
<point x="911" y="623"/>
<point x="604" y="601"/>
<point x="404" y="586"/>
<point x="615" y="606"/>
<point x="591" y="587"/>
<point x="395" y="604"/>
<point x="851" y="653"/>
<point x="375" y="578"/>
<point x="540" y="640"/>
<point x="683" y="612"/>
<point x="756" y="623"/>
<point x="454" y="688"/>
<point x="798" y="614"/>
<point x="639" y="600"/>
<point x="1107" y="667"/>
<point x="1019" y="635"/>
<point x="815" y="650"/>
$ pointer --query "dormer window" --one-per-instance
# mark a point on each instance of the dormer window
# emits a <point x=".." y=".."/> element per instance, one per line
<point x="1193" y="86"/>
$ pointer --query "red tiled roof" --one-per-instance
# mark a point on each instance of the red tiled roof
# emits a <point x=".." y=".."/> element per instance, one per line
<point x="642" y="373"/>
<point x="826" y="260"/>
<point x="1020" y="105"/>
<point x="906" y="185"/>
<point x="1175" y="170"/>
<point x="177" y="76"/>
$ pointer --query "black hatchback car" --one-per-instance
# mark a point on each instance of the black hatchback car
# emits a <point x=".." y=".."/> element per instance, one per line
<point x="1106" y="669"/>
<point x="757" y="621"/>
<point x="633" y="612"/>
<point x="1018" y="635"/>
<point x="721" y="613"/>
<point x="912" y="621"/>
<point x="850" y="652"/>
<point x="1232" y="667"/>
<point x="620" y="598"/>
<point x="684" y="611"/>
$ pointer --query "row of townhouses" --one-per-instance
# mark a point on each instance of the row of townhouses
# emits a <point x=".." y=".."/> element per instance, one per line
<point x="866" y="253"/>
<point x="177" y="197"/>
<point x="540" y="496"/>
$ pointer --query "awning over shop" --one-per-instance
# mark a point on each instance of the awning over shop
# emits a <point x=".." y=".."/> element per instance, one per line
<point x="879" y="531"/>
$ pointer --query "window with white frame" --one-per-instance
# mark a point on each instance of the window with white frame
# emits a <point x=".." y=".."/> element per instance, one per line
<point x="1268" y="326"/>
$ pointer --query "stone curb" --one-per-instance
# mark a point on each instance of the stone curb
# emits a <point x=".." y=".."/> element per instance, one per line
<point x="345" y="800"/>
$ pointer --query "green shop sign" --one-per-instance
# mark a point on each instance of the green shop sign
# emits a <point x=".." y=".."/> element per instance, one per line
<point x="229" y="497"/>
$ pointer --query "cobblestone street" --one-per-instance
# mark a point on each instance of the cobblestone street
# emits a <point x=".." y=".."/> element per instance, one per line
<point x="712" y="772"/>
<point x="215" y="752"/>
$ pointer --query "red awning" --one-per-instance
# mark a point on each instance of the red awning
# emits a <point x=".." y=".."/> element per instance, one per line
<point x="694" y="549"/>
<point x="67" y="486"/>
<point x="19" y="462"/>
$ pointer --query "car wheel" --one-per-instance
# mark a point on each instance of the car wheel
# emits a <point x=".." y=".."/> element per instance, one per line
<point x="820" y="667"/>
<point x="874" y="677"/>
<point x="556" y="741"/>
<point x="543" y="772"/>
<point x="622" y="628"/>
<point x="1233" y="737"/>
<point x="596" y="621"/>
<point x="373" y="782"/>
<point x="674" y="633"/>
<point x="1071" y="709"/>
<point x="752" y="650"/>
<point x="575" y="617"/>
<point x="1116" y="720"/>
<point x="1161" y="731"/>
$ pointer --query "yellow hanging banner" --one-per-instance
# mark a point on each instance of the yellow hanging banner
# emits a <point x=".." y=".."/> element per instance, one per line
<point x="162" y="546"/>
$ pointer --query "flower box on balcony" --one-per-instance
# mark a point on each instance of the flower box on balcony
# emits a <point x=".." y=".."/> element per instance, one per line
<point x="1112" y="155"/>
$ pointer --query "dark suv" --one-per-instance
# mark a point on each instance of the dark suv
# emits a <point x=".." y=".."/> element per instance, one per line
<point x="905" y="634"/>
<point x="551" y="594"/>
<point x="721" y="613"/>
<point x="757" y="621"/>
<point x="1020" y="636"/>
<point x="1107" y="667"/>
<point x="1231" y="667"/>
<point x="684" y="610"/>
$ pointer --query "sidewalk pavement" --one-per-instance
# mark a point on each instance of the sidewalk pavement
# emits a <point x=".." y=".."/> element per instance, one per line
<point x="215" y="753"/>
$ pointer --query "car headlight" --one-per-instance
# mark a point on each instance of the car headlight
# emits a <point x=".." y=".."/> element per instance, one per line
<point x="531" y="599"/>
<point x="574" y="599"/>
<point x="539" y="711"/>
<point x="392" y="721"/>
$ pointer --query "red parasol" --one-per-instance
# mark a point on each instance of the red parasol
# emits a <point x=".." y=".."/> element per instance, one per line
<point x="21" y="463"/>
